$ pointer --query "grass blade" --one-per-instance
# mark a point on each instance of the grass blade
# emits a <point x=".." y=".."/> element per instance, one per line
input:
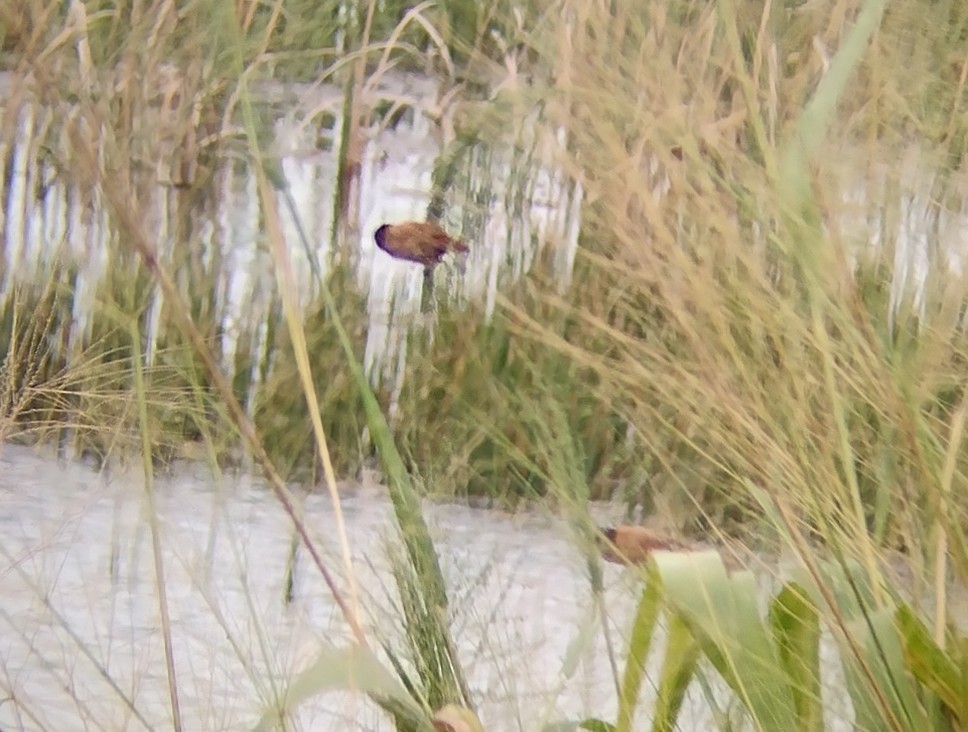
<point x="681" y="659"/>
<point x="880" y="644"/>
<point x="928" y="662"/>
<point x="818" y="115"/>
<point x="796" y="632"/>
<point x="354" y="668"/>
<point x="643" y="628"/>
<point x="161" y="586"/>
<point x="721" y="612"/>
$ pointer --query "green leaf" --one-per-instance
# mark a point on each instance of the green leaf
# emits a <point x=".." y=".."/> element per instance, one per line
<point x="721" y="612"/>
<point x="596" y="725"/>
<point x="681" y="659"/>
<point x="871" y="654"/>
<point x="928" y="662"/>
<point x="877" y="680"/>
<point x="796" y="632"/>
<point x="643" y="628"/>
<point x="579" y="644"/>
<point x="962" y="646"/>
<point x="567" y="726"/>
<point x="815" y="119"/>
<point x="347" y="669"/>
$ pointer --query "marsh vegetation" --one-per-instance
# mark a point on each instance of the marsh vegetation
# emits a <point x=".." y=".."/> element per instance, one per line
<point x="716" y="277"/>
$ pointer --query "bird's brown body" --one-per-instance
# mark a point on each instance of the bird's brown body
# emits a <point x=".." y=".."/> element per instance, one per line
<point x="635" y="544"/>
<point x="422" y="242"/>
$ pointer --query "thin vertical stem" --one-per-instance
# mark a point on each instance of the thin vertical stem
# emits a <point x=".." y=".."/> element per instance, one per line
<point x="941" y="522"/>
<point x="141" y="396"/>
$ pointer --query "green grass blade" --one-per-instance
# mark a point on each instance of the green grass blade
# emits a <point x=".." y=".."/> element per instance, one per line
<point x="721" y="612"/>
<point x="678" y="669"/>
<point x="643" y="628"/>
<point x="354" y="668"/>
<point x="406" y="502"/>
<point x="963" y="667"/>
<point x="590" y="724"/>
<point x="818" y="115"/>
<point x="796" y="632"/>
<point x="928" y="662"/>
<point x="881" y="651"/>
<point x="596" y="725"/>
<point x="427" y="579"/>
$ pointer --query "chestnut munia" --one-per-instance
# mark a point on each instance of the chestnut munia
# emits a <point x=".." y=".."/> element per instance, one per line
<point x="423" y="242"/>
<point x="635" y="544"/>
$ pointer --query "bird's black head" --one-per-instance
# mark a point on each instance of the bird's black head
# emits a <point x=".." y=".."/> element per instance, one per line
<point x="380" y="235"/>
<point x="609" y="534"/>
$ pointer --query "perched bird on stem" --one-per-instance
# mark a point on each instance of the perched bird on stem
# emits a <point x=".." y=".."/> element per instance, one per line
<point x="635" y="544"/>
<point x="422" y="242"/>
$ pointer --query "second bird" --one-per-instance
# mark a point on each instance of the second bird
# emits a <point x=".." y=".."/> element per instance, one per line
<point x="635" y="544"/>
<point x="422" y="242"/>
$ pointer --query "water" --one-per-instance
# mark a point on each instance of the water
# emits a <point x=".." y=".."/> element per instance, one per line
<point x="76" y="553"/>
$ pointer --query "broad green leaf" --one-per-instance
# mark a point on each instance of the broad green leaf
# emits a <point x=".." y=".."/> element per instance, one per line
<point x="877" y="681"/>
<point x="722" y="614"/>
<point x="347" y="669"/>
<point x="928" y="662"/>
<point x="796" y="632"/>
<point x="847" y="583"/>
<point x="681" y="658"/>
<point x="643" y="628"/>
<point x="879" y="685"/>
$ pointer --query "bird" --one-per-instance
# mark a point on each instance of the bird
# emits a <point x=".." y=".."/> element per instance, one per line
<point x="423" y="242"/>
<point x="634" y="544"/>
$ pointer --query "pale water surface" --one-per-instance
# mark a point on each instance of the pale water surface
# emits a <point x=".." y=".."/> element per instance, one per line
<point x="520" y="610"/>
